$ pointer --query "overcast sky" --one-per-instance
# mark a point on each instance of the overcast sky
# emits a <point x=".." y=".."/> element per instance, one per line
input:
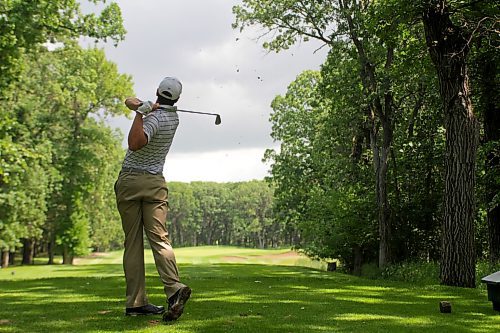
<point x="222" y="71"/>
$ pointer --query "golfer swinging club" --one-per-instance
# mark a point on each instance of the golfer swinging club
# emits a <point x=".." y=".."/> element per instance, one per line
<point x="141" y="197"/>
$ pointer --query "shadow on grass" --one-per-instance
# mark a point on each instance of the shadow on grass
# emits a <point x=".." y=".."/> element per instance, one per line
<point x="242" y="298"/>
<point x="73" y="304"/>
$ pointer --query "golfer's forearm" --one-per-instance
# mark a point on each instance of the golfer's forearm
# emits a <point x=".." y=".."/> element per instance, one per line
<point x="136" y="137"/>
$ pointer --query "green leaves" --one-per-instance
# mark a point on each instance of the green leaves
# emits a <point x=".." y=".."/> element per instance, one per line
<point x="207" y="213"/>
<point x="109" y="24"/>
<point x="53" y="130"/>
<point x="26" y="25"/>
<point x="288" y="21"/>
<point x="341" y="130"/>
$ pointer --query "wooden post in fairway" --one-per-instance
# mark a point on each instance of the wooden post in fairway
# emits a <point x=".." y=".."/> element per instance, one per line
<point x="332" y="266"/>
<point x="445" y="307"/>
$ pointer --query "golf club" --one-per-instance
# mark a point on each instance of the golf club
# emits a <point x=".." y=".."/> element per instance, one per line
<point x="217" y="116"/>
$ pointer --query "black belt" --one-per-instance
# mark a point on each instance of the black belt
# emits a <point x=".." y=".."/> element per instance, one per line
<point x="133" y="170"/>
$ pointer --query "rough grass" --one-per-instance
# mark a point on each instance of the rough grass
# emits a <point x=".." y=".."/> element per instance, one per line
<point x="263" y="292"/>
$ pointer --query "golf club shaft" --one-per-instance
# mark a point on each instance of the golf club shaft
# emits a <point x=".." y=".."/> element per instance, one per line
<point x="212" y="114"/>
<point x="217" y="116"/>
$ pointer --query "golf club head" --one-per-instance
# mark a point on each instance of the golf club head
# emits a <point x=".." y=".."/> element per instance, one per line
<point x="217" y="120"/>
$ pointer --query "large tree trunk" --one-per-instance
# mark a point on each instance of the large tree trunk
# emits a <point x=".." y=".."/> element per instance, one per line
<point x="489" y="87"/>
<point x="448" y="49"/>
<point x="28" y="251"/>
<point x="174" y="232"/>
<point x="177" y="230"/>
<point x="12" y="257"/>
<point x="380" y="164"/>
<point x="67" y="256"/>
<point x="358" y="260"/>
<point x="5" y="259"/>
<point x="383" y="201"/>
<point x="51" y="246"/>
<point x="379" y="110"/>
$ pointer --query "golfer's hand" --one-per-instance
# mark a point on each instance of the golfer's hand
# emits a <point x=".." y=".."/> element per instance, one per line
<point x="133" y="103"/>
<point x="146" y="108"/>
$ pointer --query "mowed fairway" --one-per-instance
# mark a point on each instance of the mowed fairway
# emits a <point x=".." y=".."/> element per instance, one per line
<point x="234" y="290"/>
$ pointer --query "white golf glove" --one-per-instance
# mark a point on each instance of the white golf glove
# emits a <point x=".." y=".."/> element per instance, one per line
<point x="145" y="108"/>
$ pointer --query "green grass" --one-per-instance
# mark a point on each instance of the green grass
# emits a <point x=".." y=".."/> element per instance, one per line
<point x="234" y="290"/>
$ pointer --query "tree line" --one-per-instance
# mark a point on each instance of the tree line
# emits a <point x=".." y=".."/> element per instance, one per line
<point x="57" y="155"/>
<point x="59" y="158"/>
<point x="241" y="214"/>
<point x="391" y="151"/>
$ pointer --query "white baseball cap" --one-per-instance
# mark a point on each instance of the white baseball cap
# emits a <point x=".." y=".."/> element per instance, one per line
<point x="170" y="88"/>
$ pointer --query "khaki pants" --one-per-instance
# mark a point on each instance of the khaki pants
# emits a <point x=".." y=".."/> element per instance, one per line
<point x="142" y="203"/>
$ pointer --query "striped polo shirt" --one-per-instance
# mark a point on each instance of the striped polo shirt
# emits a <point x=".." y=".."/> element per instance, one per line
<point x="159" y="127"/>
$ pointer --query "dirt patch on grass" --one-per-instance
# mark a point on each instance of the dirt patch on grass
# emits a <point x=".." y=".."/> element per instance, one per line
<point x="289" y="254"/>
<point x="285" y="255"/>
<point x="93" y="255"/>
<point x="234" y="258"/>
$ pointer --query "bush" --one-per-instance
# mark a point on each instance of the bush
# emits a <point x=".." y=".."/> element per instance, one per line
<point x="428" y="272"/>
<point x="371" y="271"/>
<point x="420" y="272"/>
<point x="413" y="272"/>
<point x="484" y="268"/>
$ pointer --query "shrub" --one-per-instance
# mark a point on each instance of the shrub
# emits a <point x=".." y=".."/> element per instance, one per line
<point x="371" y="271"/>
<point x="413" y="272"/>
<point x="484" y="268"/>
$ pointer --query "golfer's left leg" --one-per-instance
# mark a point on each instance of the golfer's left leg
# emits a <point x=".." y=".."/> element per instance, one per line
<point x="154" y="207"/>
<point x="130" y="210"/>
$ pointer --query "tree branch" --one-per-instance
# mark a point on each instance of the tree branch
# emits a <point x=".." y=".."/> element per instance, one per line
<point x="470" y="4"/>
<point x="312" y="21"/>
<point x="302" y="32"/>
<point x="472" y="34"/>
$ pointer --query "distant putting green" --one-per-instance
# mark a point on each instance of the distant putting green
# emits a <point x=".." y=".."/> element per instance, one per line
<point x="234" y="290"/>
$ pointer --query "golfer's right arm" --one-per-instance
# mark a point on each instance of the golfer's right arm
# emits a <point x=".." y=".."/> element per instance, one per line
<point x="136" y="137"/>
